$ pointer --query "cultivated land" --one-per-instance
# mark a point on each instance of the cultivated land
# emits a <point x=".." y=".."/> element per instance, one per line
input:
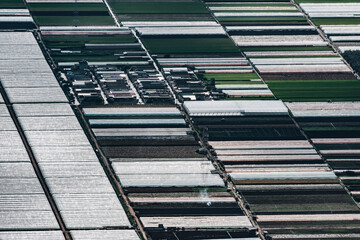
<point x="177" y="120"/>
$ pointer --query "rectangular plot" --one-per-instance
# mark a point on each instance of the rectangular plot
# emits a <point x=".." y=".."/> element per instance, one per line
<point x="135" y="122"/>
<point x="18" y="38"/>
<point x="3" y="109"/>
<point x="64" y="154"/>
<point x="78" y="185"/>
<point x="127" y="112"/>
<point x="36" y="95"/>
<point x="325" y="109"/>
<point x="20" y="186"/>
<point x="53" y="109"/>
<point x="34" y="66"/>
<point x="156" y="31"/>
<point x="95" y="219"/>
<point x="32" y="235"/>
<point x="17" y="170"/>
<point x="104" y="234"/>
<point x="306" y="68"/>
<point x="265" y="152"/>
<point x="279" y="40"/>
<point x="235" y="108"/>
<point x="28" y="80"/>
<point x="10" y="220"/>
<point x="29" y="202"/>
<point x="56" y="123"/>
<point x="7" y="124"/>
<point x="71" y="169"/>
<point x="309" y="217"/>
<point x="198" y="222"/>
<point x="12" y="51"/>
<point x="57" y="138"/>
<point x="13" y="154"/>
<point x="10" y="139"/>
<point x="172" y="180"/>
<point x="171" y="167"/>
<point x="96" y="201"/>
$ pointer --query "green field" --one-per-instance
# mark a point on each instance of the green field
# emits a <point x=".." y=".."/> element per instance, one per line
<point x="229" y="76"/>
<point x="261" y="19"/>
<point x="312" y="90"/>
<point x="155" y="7"/>
<point x="335" y="21"/>
<point x="58" y="7"/>
<point x="80" y="41"/>
<point x="190" y="45"/>
<point x="73" y="20"/>
<point x="12" y="4"/>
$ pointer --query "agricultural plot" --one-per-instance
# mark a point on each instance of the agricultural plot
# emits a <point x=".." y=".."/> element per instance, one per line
<point x="24" y="205"/>
<point x="253" y="13"/>
<point x="99" y="64"/>
<point x="186" y="85"/>
<point x="57" y="13"/>
<point x="174" y="189"/>
<point x="14" y="15"/>
<point x="225" y="78"/>
<point x="71" y="170"/>
<point x="281" y="177"/>
<point x="330" y="13"/>
<point x="159" y="10"/>
<point x="334" y="129"/>
<point x="12" y="4"/>
<point x="175" y="28"/>
<point x="190" y="46"/>
<point x="293" y="60"/>
<point x="339" y="21"/>
<point x="188" y="49"/>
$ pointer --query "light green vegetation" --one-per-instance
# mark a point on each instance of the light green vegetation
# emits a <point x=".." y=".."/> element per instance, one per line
<point x="316" y="90"/>
<point x="190" y="45"/>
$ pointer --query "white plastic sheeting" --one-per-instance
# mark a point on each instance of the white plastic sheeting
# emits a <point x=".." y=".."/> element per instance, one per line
<point x="150" y="31"/>
<point x="170" y="24"/>
<point x="32" y="235"/>
<point x="279" y="40"/>
<point x="57" y="123"/>
<point x="331" y="10"/>
<point x="198" y="222"/>
<point x="104" y="234"/>
<point x="324" y="109"/>
<point x="235" y="108"/>
<point x="36" y="95"/>
<point x="33" y="110"/>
